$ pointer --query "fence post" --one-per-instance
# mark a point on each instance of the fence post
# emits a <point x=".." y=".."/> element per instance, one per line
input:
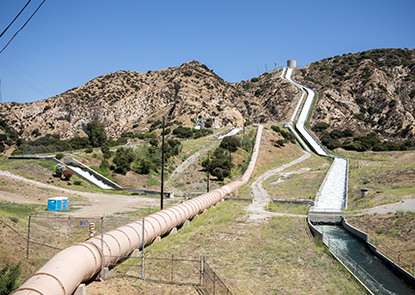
<point x="28" y="237"/>
<point x="102" y="242"/>
<point x="172" y="268"/>
<point x="202" y="271"/>
<point x="69" y="230"/>
<point x="214" y="283"/>
<point x="142" y="255"/>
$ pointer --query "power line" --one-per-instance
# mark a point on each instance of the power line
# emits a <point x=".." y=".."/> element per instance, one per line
<point x="22" y="26"/>
<point x="15" y="18"/>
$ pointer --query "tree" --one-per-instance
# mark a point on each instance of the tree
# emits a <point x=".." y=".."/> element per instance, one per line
<point x="106" y="152"/>
<point x="230" y="143"/>
<point x="123" y="159"/>
<point x="219" y="165"/>
<point x="96" y="133"/>
<point x="142" y="166"/>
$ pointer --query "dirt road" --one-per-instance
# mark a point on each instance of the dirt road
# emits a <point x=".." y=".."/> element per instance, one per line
<point x="405" y="205"/>
<point x="92" y="204"/>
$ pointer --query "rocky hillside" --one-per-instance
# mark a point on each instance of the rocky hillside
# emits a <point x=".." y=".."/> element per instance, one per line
<point x="130" y="101"/>
<point x="372" y="91"/>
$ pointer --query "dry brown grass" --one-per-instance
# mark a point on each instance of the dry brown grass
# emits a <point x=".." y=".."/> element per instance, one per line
<point x="274" y="257"/>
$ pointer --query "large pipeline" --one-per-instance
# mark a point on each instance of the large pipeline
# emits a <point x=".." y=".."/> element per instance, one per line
<point x="78" y="263"/>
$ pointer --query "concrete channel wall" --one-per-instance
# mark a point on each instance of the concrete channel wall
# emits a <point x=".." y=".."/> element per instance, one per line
<point x="399" y="271"/>
<point x="314" y="230"/>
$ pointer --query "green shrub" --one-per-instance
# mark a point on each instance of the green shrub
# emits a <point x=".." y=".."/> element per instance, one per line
<point x="276" y="128"/>
<point x="392" y="103"/>
<point x="183" y="132"/>
<point x="36" y="132"/>
<point x="59" y="156"/>
<point x="320" y="127"/>
<point x="59" y="169"/>
<point x="8" y="278"/>
<point x="104" y="165"/>
<point x="360" y="116"/>
<point x="187" y="73"/>
<point x="77" y="182"/>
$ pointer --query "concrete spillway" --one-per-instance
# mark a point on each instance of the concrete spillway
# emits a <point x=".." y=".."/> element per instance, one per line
<point x="91" y="178"/>
<point x="332" y="195"/>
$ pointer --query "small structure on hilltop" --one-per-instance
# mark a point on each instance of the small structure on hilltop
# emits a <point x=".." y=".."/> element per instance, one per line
<point x="291" y="63"/>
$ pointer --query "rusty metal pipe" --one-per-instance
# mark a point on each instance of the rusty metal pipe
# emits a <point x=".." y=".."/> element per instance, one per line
<point x="78" y="263"/>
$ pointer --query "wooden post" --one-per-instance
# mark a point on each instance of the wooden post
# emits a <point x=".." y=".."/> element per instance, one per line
<point x="208" y="174"/>
<point x="28" y="237"/>
<point x="162" y="167"/>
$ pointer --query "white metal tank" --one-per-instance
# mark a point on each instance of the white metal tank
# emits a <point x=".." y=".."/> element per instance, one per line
<point x="291" y="63"/>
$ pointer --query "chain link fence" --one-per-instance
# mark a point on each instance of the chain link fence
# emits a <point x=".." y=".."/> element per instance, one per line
<point x="47" y="235"/>
<point x="212" y="283"/>
<point x="174" y="270"/>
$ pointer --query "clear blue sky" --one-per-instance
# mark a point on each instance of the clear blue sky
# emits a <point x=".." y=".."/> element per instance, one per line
<point x="68" y="43"/>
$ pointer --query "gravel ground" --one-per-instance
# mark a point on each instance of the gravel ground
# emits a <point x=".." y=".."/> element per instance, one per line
<point x="99" y="204"/>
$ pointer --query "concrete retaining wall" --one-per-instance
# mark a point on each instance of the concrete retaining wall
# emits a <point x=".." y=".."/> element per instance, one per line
<point x="298" y="201"/>
<point x="356" y="232"/>
<point x="149" y="192"/>
<point x="399" y="271"/>
<point x="314" y="230"/>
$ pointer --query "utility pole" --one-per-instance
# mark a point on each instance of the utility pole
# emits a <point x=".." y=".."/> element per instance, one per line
<point x="208" y="175"/>
<point x="1" y="98"/>
<point x="162" y="167"/>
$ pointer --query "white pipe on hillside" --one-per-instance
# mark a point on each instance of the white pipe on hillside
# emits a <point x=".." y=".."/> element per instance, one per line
<point x="78" y="263"/>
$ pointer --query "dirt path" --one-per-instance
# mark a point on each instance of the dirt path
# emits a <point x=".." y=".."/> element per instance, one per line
<point x="405" y="205"/>
<point x="257" y="209"/>
<point x="185" y="165"/>
<point x="96" y="204"/>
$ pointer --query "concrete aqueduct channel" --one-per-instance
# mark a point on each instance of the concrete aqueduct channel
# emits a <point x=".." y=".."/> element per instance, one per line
<point x="331" y="199"/>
